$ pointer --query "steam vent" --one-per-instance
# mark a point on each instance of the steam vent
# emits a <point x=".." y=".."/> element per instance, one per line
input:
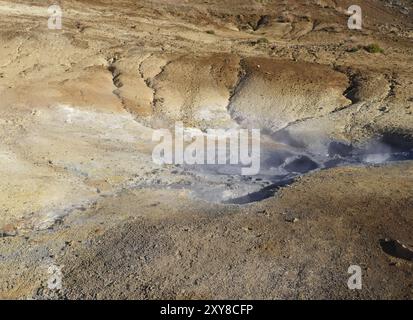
<point x="206" y="149"/>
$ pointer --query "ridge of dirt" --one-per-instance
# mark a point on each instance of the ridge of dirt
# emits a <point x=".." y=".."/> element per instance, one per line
<point x="80" y="192"/>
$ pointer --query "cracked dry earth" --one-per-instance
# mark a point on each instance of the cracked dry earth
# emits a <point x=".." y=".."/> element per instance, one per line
<point x="80" y="193"/>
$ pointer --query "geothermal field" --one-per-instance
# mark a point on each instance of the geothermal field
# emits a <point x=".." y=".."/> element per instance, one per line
<point x="206" y="149"/>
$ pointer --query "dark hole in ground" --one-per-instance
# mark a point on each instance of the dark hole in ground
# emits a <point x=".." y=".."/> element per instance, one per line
<point x="398" y="142"/>
<point x="396" y="249"/>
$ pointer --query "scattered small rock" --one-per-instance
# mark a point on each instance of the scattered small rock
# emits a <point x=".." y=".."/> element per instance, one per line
<point x="289" y="217"/>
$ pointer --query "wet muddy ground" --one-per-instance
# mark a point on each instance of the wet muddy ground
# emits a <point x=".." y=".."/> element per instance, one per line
<point x="85" y="212"/>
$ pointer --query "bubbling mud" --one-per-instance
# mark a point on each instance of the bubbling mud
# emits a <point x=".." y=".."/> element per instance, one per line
<point x="282" y="163"/>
